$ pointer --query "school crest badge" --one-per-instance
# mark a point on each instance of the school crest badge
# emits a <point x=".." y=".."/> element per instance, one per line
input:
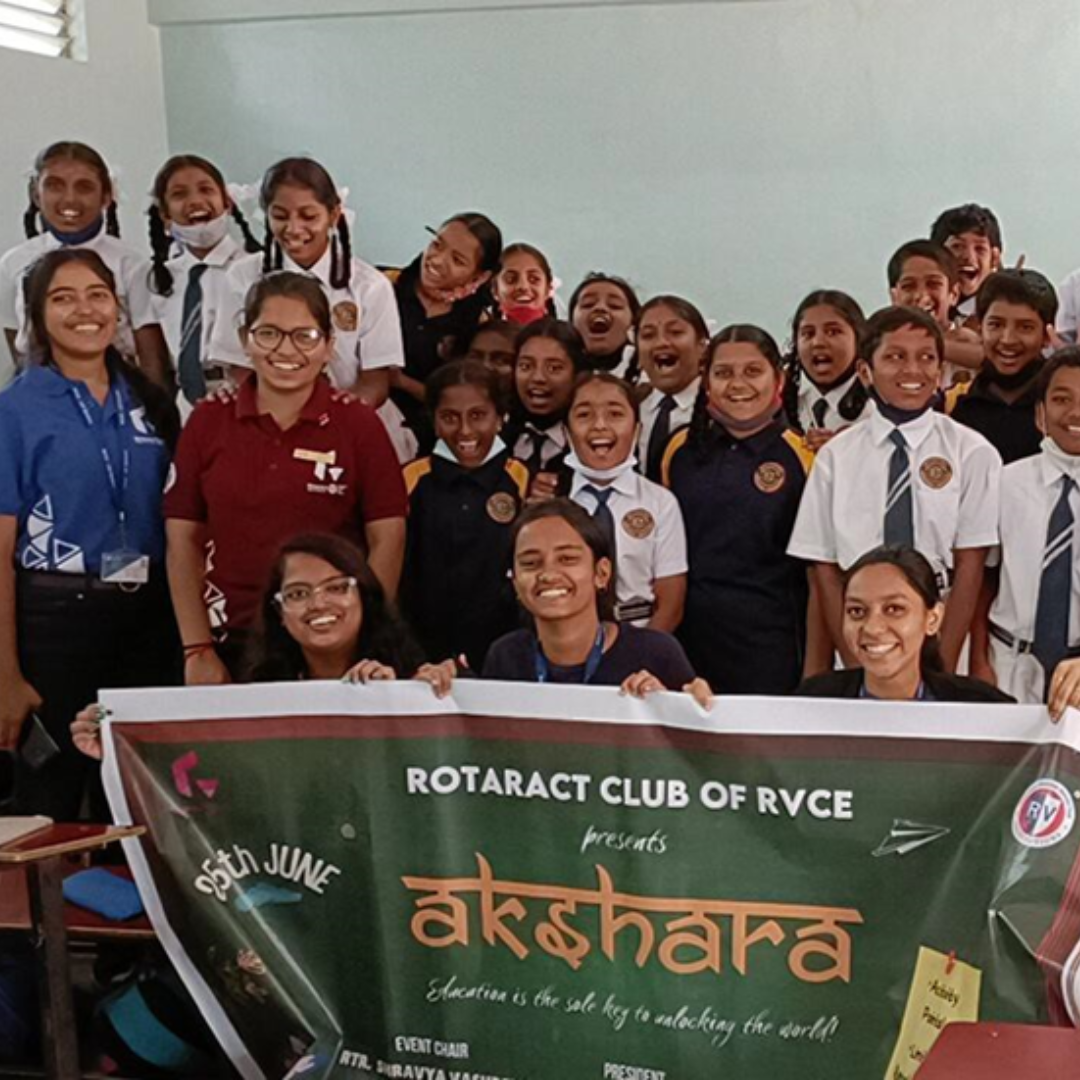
<point x="770" y="477"/>
<point x="638" y="523"/>
<point x="346" y="316"/>
<point x="502" y="508"/>
<point x="936" y="472"/>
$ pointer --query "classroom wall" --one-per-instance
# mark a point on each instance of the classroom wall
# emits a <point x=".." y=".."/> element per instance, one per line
<point x="740" y="153"/>
<point x="114" y="100"/>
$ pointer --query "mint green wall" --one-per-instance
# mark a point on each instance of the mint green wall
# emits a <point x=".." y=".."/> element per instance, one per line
<point x="740" y="153"/>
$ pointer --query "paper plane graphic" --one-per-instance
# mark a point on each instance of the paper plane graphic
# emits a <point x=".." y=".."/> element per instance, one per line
<point x="908" y="836"/>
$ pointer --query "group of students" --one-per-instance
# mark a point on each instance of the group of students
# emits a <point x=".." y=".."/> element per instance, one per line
<point x="242" y="459"/>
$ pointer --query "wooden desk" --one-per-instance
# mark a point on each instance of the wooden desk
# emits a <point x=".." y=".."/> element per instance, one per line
<point x="42" y="856"/>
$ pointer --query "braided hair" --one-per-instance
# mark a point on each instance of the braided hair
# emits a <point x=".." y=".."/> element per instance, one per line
<point x="848" y="309"/>
<point x="85" y="155"/>
<point x="160" y="240"/>
<point x="307" y="173"/>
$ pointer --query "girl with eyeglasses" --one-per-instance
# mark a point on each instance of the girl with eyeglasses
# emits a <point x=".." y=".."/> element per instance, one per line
<point x="285" y="456"/>
<point x="322" y="615"/>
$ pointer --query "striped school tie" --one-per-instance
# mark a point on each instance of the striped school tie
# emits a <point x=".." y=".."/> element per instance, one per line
<point x="899" y="516"/>
<point x="603" y="515"/>
<point x="189" y="367"/>
<point x="1055" y="586"/>
<point x="658" y="438"/>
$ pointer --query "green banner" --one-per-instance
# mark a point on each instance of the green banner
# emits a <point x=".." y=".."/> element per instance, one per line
<point x="530" y="883"/>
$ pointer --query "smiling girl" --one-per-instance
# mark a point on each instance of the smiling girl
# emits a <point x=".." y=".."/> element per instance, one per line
<point x="641" y="519"/>
<point x="524" y="286"/>
<point x="891" y="618"/>
<point x="603" y="309"/>
<point x="189" y="233"/>
<point x="85" y="443"/>
<point x="823" y="393"/>
<point x="283" y="457"/>
<point x="73" y="202"/>
<point x="463" y="500"/>
<point x="671" y="337"/>
<point x="738" y="474"/>
<point x="307" y="232"/>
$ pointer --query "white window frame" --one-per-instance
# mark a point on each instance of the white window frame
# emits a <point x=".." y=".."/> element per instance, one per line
<point x="48" y="28"/>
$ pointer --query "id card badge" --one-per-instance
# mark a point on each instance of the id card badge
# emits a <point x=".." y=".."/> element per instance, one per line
<point x="125" y="568"/>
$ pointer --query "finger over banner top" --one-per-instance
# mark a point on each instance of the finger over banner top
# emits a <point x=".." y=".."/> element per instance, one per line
<point x="552" y="883"/>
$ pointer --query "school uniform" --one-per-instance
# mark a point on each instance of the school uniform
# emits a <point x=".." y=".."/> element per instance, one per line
<point x="954" y="476"/>
<point x="1068" y="316"/>
<point x="517" y="658"/>
<point x="131" y="270"/>
<point x="833" y="409"/>
<point x="429" y="340"/>
<point x="1030" y="491"/>
<point x="936" y="686"/>
<point x="539" y="449"/>
<point x="745" y="622"/>
<point x="255" y="486"/>
<point x="1008" y="426"/>
<point x="455" y="590"/>
<point x="672" y="412"/>
<point x="210" y="287"/>
<point x="650" y="540"/>
<point x="367" y="332"/>
<point x="83" y="482"/>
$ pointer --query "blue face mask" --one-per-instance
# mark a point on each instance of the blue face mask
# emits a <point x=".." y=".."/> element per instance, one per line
<point x="83" y="236"/>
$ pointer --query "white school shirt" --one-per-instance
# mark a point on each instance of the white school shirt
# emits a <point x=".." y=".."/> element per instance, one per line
<point x="170" y="309"/>
<point x="367" y="330"/>
<point x="1068" y="316"/>
<point x="650" y="537"/>
<point x="809" y="395"/>
<point x="1030" y="489"/>
<point x="131" y="270"/>
<point x="556" y="442"/>
<point x="680" y="415"/>
<point x="956" y="476"/>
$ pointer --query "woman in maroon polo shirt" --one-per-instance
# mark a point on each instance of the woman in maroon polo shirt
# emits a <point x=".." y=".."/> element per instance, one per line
<point x="285" y="457"/>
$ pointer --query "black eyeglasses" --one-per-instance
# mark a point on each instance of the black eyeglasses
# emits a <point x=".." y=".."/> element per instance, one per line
<point x="305" y="339"/>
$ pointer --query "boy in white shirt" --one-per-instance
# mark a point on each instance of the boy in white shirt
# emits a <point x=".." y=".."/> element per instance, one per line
<point x="906" y="475"/>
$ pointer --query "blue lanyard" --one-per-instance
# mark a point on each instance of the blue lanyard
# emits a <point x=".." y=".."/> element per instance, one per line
<point x="118" y="489"/>
<point x="596" y="654"/>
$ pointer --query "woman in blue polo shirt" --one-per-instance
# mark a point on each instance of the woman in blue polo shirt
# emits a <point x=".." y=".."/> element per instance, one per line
<point x="85" y="444"/>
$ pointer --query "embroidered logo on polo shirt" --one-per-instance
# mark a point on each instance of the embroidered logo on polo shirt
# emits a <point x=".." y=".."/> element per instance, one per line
<point x="502" y="508"/>
<point x="936" y="472"/>
<point x="770" y="477"/>
<point x="638" y="523"/>
<point x="346" y="316"/>
<point x="145" y="433"/>
<point x="325" y="469"/>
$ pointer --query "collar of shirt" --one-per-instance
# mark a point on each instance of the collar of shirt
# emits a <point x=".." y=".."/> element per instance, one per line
<point x="556" y="434"/>
<point x="809" y="393"/>
<point x="982" y="388"/>
<point x="1056" y="463"/>
<point x="315" y="411"/>
<point x="49" y="382"/>
<point x="684" y="399"/>
<point x="443" y="451"/>
<point x="320" y="270"/>
<point x="220" y="255"/>
<point x="625" y="483"/>
<point x="915" y="431"/>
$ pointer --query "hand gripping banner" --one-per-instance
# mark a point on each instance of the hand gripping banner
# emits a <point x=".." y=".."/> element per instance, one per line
<point x="551" y="883"/>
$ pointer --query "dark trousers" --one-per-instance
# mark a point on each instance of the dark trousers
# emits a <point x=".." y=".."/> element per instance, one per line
<point x="78" y="636"/>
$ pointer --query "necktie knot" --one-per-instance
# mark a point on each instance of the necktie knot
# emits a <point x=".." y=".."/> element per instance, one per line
<point x="600" y="494"/>
<point x="819" y="410"/>
<point x="896" y="436"/>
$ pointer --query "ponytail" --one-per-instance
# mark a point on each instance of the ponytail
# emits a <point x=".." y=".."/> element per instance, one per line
<point x="160" y="245"/>
<point x="251" y="244"/>
<point x="30" y="220"/>
<point x="112" y="222"/>
<point x="341" y="256"/>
